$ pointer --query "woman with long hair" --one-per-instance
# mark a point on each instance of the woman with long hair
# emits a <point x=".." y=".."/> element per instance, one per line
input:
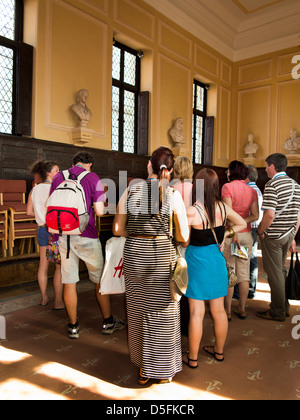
<point x="208" y="278"/>
<point x="144" y="215"/>
<point x="242" y="199"/>
<point x="44" y="171"/>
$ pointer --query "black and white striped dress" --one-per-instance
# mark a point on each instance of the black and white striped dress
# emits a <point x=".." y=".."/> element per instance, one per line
<point x="153" y="319"/>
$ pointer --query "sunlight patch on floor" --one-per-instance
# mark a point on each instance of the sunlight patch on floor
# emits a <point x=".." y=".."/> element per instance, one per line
<point x="8" y="356"/>
<point x="79" y="380"/>
<point x="14" y="388"/>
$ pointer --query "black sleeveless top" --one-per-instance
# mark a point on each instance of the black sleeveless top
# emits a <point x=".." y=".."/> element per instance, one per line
<point x="204" y="237"/>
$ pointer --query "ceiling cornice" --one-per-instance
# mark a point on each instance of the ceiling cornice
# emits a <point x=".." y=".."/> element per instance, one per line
<point x="234" y="34"/>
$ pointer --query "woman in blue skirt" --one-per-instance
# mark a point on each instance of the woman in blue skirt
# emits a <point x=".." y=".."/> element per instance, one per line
<point x="208" y="279"/>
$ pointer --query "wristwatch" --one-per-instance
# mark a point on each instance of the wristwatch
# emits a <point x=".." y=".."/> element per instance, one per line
<point x="261" y="234"/>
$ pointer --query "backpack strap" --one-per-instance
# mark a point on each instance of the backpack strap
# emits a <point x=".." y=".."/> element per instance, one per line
<point x="82" y="175"/>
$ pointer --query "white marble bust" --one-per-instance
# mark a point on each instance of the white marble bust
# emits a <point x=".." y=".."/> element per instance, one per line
<point x="251" y="147"/>
<point x="176" y="132"/>
<point x="293" y="142"/>
<point x="80" y="108"/>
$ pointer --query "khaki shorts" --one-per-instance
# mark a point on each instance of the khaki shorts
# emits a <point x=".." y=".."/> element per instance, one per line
<point x="242" y="267"/>
<point x="86" y="249"/>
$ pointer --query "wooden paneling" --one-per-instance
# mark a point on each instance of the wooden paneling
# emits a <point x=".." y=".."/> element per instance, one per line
<point x="17" y="154"/>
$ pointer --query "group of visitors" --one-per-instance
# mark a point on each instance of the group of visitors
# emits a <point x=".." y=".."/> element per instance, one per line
<point x="205" y="225"/>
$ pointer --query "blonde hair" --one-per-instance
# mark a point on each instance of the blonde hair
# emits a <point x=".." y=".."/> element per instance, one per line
<point x="183" y="168"/>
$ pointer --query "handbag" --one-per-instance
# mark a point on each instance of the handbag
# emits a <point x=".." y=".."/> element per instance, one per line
<point x="179" y="277"/>
<point x="232" y="277"/>
<point x="112" y="279"/>
<point x="292" y="283"/>
<point x="52" y="251"/>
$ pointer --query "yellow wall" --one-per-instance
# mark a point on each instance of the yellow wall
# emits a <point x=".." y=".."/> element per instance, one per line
<point x="267" y="103"/>
<point x="73" y="50"/>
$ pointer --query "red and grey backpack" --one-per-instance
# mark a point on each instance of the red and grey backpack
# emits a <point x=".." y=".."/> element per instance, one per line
<point x="67" y="211"/>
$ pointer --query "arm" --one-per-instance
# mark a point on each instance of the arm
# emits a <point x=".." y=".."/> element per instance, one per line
<point x="182" y="231"/>
<point x="29" y="207"/>
<point x="266" y="222"/>
<point x="99" y="208"/>
<point x="120" y="219"/>
<point x="191" y="214"/>
<point x="254" y="213"/>
<point x="293" y="244"/>
<point x="237" y="223"/>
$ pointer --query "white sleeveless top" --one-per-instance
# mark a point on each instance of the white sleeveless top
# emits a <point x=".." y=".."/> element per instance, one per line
<point x="39" y="196"/>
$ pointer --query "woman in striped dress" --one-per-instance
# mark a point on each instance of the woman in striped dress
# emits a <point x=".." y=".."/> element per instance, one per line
<point x="143" y="217"/>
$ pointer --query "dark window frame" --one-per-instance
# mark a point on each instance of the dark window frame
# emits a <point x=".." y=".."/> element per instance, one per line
<point x="202" y="114"/>
<point x="14" y="45"/>
<point x="127" y="87"/>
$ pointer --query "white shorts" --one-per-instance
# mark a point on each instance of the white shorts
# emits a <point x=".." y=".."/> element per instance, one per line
<point x="86" y="249"/>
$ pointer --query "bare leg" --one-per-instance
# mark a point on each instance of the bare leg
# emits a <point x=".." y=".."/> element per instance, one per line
<point x="244" y="290"/>
<point x="221" y="324"/>
<point x="197" y="312"/>
<point x="228" y="301"/>
<point x="43" y="276"/>
<point x="70" y="297"/>
<point x="58" y="288"/>
<point x="104" y="303"/>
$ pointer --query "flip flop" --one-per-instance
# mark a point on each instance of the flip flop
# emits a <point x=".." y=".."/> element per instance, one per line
<point x="213" y="353"/>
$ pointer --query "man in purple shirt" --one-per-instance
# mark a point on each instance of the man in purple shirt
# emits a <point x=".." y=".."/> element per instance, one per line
<point x="86" y="247"/>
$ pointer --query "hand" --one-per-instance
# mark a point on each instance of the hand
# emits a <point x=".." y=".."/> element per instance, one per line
<point x="293" y="247"/>
<point x="222" y="246"/>
<point x="236" y="240"/>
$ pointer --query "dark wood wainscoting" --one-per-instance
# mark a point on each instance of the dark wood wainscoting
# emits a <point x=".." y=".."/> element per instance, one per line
<point x="17" y="154"/>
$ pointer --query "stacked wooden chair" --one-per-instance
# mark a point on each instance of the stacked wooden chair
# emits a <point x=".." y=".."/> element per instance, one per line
<point x="18" y="224"/>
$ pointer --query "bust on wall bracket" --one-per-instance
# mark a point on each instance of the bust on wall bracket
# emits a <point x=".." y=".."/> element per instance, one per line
<point x="292" y="144"/>
<point x="177" y="135"/>
<point x="250" y="149"/>
<point x="81" y="134"/>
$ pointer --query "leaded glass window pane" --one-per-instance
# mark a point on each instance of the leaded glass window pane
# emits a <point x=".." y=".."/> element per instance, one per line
<point x="116" y="66"/>
<point x="126" y="84"/>
<point x="7" y="21"/>
<point x="115" y="118"/>
<point x="198" y="139"/>
<point x="130" y="68"/>
<point x="129" y="120"/>
<point x="6" y="89"/>
<point x="200" y="98"/>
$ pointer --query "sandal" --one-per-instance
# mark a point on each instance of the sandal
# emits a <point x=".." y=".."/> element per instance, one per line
<point x="241" y="315"/>
<point x="190" y="360"/>
<point x="212" y="353"/>
<point x="143" y="380"/>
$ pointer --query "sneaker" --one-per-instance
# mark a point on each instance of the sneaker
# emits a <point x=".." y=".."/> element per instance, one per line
<point x="114" y="325"/>
<point x="73" y="330"/>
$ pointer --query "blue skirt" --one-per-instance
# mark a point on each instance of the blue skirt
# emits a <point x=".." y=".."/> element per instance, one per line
<point x="208" y="278"/>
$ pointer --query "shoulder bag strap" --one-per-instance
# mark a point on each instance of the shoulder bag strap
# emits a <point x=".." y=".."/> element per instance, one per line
<point x="288" y="202"/>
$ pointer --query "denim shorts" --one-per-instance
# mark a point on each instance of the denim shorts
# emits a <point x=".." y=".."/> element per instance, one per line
<point x="42" y="235"/>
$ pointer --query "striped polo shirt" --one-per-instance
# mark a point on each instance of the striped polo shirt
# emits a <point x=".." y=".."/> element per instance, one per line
<point x="276" y="196"/>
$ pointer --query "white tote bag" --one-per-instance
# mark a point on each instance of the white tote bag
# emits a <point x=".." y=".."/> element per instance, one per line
<point x="112" y="280"/>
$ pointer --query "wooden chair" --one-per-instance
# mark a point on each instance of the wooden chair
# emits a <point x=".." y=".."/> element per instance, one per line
<point x="4" y="229"/>
<point x="21" y="226"/>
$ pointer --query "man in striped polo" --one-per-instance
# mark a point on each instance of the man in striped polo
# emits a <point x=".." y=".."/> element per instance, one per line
<point x="277" y="230"/>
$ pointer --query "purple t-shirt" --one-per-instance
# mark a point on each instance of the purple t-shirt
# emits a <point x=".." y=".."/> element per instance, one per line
<point x="94" y="193"/>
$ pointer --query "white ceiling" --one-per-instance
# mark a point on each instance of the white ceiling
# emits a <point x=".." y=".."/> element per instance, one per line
<point x="238" y="29"/>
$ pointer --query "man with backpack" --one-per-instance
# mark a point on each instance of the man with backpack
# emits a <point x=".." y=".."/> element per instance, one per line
<point x="79" y="241"/>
